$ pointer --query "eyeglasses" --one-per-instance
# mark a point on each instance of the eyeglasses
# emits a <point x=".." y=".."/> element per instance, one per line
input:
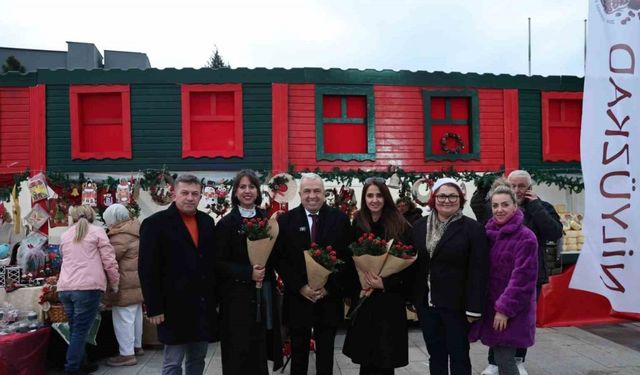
<point x="453" y="198"/>
<point x="370" y="180"/>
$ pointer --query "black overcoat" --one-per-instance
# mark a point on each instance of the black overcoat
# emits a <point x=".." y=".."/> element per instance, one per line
<point x="177" y="277"/>
<point x="458" y="268"/>
<point x="378" y="336"/>
<point x="294" y="238"/>
<point x="246" y="344"/>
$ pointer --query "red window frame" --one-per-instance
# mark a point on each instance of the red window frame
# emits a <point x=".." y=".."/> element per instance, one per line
<point x="75" y="97"/>
<point x="238" y="141"/>
<point x="563" y="154"/>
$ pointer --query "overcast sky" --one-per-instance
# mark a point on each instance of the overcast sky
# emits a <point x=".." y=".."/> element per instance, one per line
<point x="484" y="36"/>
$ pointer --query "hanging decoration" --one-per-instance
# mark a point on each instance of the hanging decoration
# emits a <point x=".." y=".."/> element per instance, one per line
<point x="161" y="188"/>
<point x="38" y="187"/>
<point x="90" y="193"/>
<point x="58" y="213"/>
<point x="421" y="191"/>
<point x="123" y="192"/>
<point x="444" y="143"/>
<point x="346" y="200"/>
<point x="217" y="198"/>
<point x="283" y="187"/>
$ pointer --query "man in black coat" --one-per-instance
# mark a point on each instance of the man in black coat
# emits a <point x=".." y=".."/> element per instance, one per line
<point x="176" y="274"/>
<point x="541" y="218"/>
<point x="306" y="308"/>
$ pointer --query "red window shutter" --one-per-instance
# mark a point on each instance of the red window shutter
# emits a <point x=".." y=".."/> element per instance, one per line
<point x="561" y="122"/>
<point x="350" y="136"/>
<point x="212" y="120"/>
<point x="100" y="122"/>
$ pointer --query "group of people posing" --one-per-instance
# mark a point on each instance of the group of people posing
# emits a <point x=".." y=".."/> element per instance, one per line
<point x="472" y="279"/>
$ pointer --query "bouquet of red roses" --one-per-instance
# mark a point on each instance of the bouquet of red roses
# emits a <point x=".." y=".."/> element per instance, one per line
<point x="261" y="236"/>
<point x="369" y="255"/>
<point x="320" y="262"/>
<point x="400" y="256"/>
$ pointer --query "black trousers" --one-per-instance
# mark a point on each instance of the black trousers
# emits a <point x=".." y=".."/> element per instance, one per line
<point x="300" y="337"/>
<point x="445" y="333"/>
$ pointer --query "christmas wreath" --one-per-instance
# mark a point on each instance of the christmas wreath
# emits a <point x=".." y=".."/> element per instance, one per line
<point x="444" y="143"/>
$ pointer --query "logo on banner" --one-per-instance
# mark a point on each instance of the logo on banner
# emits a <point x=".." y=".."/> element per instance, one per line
<point x="623" y="11"/>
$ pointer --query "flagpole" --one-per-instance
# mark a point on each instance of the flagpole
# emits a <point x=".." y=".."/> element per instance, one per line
<point x="585" y="48"/>
<point x="529" y="46"/>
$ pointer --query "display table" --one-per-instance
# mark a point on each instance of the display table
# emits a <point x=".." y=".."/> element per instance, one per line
<point x="25" y="299"/>
<point x="24" y="353"/>
<point x="560" y="306"/>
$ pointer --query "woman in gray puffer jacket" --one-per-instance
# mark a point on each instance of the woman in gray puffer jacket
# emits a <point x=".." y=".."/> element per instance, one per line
<point x="127" y="303"/>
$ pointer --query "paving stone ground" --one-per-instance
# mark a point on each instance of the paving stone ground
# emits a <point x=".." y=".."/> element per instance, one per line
<point x="596" y="350"/>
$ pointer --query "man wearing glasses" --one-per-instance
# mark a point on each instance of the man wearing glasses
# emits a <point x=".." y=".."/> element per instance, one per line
<point x="541" y="218"/>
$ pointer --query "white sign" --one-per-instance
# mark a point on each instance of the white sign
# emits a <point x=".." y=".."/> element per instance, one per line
<point x="609" y="263"/>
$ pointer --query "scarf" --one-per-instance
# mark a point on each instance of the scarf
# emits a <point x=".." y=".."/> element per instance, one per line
<point x="436" y="228"/>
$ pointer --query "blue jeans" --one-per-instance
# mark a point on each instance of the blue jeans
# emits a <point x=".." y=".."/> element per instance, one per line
<point x="81" y="307"/>
<point x="174" y="354"/>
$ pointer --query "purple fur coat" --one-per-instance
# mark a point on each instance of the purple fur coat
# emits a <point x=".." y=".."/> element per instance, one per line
<point x="512" y="285"/>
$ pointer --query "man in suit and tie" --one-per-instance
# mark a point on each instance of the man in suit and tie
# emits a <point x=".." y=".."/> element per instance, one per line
<point x="304" y="307"/>
<point x="176" y="273"/>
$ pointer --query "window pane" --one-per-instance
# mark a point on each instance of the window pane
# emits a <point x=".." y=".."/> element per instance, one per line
<point x="331" y="106"/>
<point x="459" y="108"/>
<point x="437" y="108"/>
<point x="356" y="106"/>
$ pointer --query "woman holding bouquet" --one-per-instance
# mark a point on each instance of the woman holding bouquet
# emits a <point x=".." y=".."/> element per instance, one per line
<point x="451" y="278"/>
<point x="377" y="338"/>
<point x="247" y="338"/>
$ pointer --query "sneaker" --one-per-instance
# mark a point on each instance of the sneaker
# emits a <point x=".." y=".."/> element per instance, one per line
<point x="490" y="370"/>
<point x="138" y="352"/>
<point x="521" y="369"/>
<point x="122" y="360"/>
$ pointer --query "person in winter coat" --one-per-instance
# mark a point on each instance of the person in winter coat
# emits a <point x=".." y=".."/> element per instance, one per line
<point x="88" y="265"/>
<point x="408" y="209"/>
<point x="451" y="275"/>
<point x="124" y="235"/>
<point x="246" y="342"/>
<point x="540" y="217"/>
<point x="508" y="321"/>
<point x="377" y="338"/>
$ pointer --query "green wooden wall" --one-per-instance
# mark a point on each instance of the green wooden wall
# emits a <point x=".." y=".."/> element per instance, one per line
<point x="531" y="134"/>
<point x="156" y="132"/>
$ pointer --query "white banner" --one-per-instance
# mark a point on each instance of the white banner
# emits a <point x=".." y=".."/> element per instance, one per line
<point x="610" y="142"/>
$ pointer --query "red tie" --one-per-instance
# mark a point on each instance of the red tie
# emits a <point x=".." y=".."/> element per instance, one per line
<point x="314" y="226"/>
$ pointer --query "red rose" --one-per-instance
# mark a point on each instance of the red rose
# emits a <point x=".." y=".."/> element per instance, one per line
<point x="317" y="253"/>
<point x="333" y="258"/>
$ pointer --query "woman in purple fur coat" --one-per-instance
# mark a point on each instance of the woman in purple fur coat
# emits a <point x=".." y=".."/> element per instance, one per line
<point x="510" y="314"/>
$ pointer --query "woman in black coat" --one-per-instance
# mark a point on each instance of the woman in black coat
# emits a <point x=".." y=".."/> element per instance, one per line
<point x="451" y="276"/>
<point x="377" y="338"/>
<point x="246" y="341"/>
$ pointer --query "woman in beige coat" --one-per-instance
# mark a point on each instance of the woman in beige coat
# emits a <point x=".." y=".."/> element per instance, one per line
<point x="127" y="303"/>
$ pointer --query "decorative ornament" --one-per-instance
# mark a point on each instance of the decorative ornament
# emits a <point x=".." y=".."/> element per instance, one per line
<point x="161" y="189"/>
<point x="74" y="192"/>
<point x="107" y="199"/>
<point x="123" y="192"/>
<point x="136" y="189"/>
<point x="89" y="193"/>
<point x="395" y="182"/>
<point x="13" y="276"/>
<point x="37" y="217"/>
<point x="330" y="196"/>
<point x="38" y="187"/>
<point x="346" y="200"/>
<point x="283" y="187"/>
<point x="209" y="194"/>
<point x="444" y="143"/>
<point x="421" y="191"/>
<point x="58" y="213"/>
<point x="219" y="199"/>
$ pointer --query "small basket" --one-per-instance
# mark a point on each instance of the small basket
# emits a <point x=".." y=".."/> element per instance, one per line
<point x="56" y="314"/>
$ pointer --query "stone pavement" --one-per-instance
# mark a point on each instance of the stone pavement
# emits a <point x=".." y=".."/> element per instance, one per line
<point x="597" y="350"/>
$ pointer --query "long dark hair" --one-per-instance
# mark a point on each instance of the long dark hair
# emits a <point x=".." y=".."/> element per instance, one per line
<point x="394" y="223"/>
<point x="253" y="178"/>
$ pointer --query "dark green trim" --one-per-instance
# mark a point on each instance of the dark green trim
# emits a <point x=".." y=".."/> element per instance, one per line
<point x="474" y="123"/>
<point x="333" y="120"/>
<point x="366" y="91"/>
<point x="18" y="79"/>
<point x="301" y="75"/>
